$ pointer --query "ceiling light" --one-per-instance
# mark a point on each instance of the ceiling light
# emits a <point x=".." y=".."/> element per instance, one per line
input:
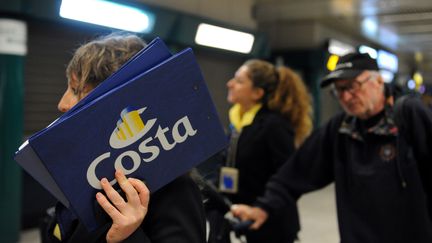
<point x="387" y="60"/>
<point x="339" y="48"/>
<point x="108" y="14"/>
<point x="369" y="50"/>
<point x="418" y="78"/>
<point x="411" y="84"/>
<point x="387" y="75"/>
<point x="223" y="38"/>
<point x="369" y="26"/>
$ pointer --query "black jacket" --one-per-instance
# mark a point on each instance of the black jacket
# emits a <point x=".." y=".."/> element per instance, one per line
<point x="175" y="215"/>
<point x="262" y="148"/>
<point x="383" y="178"/>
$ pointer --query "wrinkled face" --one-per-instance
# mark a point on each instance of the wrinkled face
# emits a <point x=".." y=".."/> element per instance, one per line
<point x="73" y="94"/>
<point x="363" y="96"/>
<point x="241" y="90"/>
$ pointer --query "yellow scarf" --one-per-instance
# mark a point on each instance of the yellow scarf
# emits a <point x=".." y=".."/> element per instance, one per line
<point x="241" y="121"/>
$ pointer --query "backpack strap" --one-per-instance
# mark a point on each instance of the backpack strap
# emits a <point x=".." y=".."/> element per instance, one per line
<point x="401" y="123"/>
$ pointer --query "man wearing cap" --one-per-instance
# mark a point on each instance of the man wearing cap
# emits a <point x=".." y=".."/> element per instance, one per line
<point x="382" y="172"/>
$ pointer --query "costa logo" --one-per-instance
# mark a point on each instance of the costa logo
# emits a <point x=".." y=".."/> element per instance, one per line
<point x="130" y="129"/>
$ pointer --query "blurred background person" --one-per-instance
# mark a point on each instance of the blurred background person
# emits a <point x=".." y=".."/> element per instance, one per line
<point x="269" y="119"/>
<point x="378" y="153"/>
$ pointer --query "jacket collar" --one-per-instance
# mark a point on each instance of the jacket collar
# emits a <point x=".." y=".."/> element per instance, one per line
<point x="239" y="122"/>
<point x="386" y="126"/>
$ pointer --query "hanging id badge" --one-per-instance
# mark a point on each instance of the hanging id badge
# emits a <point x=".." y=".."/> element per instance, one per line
<point x="228" y="180"/>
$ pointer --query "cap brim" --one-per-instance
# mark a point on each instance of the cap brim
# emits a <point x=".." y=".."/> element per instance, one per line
<point x="339" y="74"/>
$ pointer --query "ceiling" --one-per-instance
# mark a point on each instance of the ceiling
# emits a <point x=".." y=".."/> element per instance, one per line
<point x="402" y="26"/>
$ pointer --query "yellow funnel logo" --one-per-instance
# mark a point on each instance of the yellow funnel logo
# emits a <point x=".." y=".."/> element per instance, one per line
<point x="130" y="128"/>
<point x="129" y="124"/>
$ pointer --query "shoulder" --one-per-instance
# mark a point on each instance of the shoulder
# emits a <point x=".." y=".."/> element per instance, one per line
<point x="182" y="192"/>
<point x="328" y="130"/>
<point x="412" y="101"/>
<point x="334" y="122"/>
<point x="179" y="186"/>
<point x="410" y="109"/>
<point x="174" y="200"/>
<point x="272" y="118"/>
<point x="410" y="105"/>
<point x="176" y="213"/>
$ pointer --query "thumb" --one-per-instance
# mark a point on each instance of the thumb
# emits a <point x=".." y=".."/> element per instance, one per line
<point x="239" y="211"/>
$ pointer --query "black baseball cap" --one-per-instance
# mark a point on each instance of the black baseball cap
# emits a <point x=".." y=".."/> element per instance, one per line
<point x="350" y="66"/>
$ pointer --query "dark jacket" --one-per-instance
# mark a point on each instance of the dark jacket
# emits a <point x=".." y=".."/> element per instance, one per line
<point x="262" y="148"/>
<point x="175" y="215"/>
<point x="383" y="176"/>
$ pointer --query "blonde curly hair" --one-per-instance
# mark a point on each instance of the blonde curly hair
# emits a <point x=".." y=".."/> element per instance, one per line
<point x="284" y="92"/>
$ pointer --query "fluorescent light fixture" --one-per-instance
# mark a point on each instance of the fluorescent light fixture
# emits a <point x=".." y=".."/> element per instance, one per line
<point x="339" y="48"/>
<point x="389" y="37"/>
<point x="422" y="89"/>
<point x="411" y="84"/>
<point x="227" y="39"/>
<point x="387" y="75"/>
<point x="418" y="78"/>
<point x="108" y="14"/>
<point x="369" y="26"/>
<point x="387" y="60"/>
<point x="369" y="50"/>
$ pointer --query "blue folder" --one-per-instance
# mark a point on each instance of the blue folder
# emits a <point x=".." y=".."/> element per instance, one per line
<point x="155" y="125"/>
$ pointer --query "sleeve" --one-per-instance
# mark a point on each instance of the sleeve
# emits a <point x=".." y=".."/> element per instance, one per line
<point x="310" y="168"/>
<point x="176" y="214"/>
<point x="138" y="236"/>
<point x="418" y="134"/>
<point x="280" y="141"/>
<point x="418" y="130"/>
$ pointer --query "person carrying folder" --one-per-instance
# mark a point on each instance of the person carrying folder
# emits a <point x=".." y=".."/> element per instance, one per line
<point x="174" y="213"/>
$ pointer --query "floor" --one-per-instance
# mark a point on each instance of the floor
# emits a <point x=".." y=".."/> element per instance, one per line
<point x="30" y="236"/>
<point x="318" y="217"/>
<point x="317" y="213"/>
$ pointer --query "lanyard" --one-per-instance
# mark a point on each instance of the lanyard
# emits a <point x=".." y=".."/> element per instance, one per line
<point x="232" y="149"/>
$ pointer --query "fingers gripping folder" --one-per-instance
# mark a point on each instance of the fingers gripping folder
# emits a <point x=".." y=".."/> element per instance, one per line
<point x="153" y="118"/>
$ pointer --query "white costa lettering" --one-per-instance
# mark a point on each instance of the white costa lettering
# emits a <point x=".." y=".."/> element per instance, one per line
<point x="152" y="149"/>
<point x="149" y="151"/>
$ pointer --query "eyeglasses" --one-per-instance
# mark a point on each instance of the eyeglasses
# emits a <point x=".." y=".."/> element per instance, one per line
<point x="350" y="87"/>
